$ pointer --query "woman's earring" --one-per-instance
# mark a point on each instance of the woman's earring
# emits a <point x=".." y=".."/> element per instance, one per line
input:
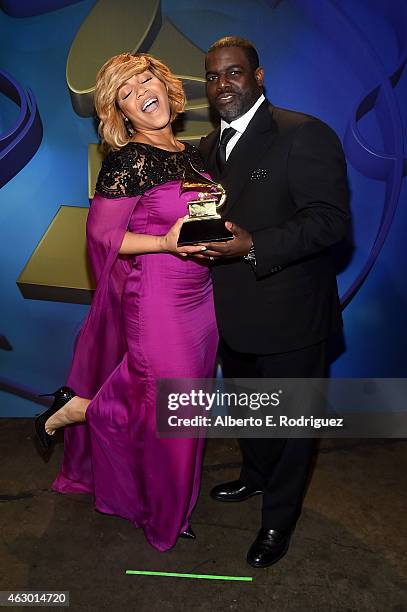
<point x="128" y="126"/>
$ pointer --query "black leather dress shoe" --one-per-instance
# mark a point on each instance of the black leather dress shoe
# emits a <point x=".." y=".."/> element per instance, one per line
<point x="268" y="548"/>
<point x="234" y="491"/>
<point x="188" y="534"/>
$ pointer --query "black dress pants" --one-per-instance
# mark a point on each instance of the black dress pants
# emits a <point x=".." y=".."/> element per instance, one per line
<point x="280" y="467"/>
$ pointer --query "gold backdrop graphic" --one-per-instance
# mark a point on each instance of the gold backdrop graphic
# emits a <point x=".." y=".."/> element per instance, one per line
<point x="58" y="269"/>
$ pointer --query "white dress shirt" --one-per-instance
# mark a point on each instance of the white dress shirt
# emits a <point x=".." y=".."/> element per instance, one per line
<point x="239" y="125"/>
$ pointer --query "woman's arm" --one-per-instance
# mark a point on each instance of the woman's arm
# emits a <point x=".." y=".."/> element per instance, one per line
<point x="137" y="244"/>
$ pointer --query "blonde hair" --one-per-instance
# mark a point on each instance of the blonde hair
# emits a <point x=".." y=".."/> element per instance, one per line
<point x="112" y="75"/>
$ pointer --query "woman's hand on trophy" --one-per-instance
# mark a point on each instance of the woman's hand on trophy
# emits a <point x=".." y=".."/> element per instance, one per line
<point x="169" y="241"/>
<point x="239" y="246"/>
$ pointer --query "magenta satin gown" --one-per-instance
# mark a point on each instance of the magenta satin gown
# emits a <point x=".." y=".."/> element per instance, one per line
<point x="152" y="317"/>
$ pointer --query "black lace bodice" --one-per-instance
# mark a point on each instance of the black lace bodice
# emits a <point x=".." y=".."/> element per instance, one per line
<point x="138" y="167"/>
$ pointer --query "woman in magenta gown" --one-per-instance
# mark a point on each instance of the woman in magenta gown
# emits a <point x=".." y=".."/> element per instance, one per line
<point x="152" y="314"/>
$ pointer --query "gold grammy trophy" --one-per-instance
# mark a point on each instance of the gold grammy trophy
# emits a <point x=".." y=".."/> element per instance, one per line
<point x="204" y="223"/>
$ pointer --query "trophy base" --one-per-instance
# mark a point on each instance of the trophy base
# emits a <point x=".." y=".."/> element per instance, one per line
<point x="205" y="230"/>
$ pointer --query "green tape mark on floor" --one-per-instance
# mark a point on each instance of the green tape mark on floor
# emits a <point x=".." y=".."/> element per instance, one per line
<point x="205" y="576"/>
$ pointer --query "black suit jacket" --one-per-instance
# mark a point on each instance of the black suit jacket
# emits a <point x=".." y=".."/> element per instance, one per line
<point x="286" y="184"/>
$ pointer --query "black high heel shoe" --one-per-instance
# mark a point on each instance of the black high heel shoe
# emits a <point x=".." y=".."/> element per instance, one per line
<point x="188" y="534"/>
<point x="61" y="397"/>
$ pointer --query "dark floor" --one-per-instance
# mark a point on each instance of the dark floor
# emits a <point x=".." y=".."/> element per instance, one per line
<point x="348" y="552"/>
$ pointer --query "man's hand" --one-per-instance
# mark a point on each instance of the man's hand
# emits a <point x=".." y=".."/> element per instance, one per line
<point x="237" y="247"/>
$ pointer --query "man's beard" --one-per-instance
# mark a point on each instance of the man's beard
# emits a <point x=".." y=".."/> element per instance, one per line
<point x="240" y="105"/>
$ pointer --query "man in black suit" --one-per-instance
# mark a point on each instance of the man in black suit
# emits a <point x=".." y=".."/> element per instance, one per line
<point x="275" y="287"/>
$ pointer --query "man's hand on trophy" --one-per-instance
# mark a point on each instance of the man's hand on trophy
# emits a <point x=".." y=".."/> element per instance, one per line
<point x="238" y="247"/>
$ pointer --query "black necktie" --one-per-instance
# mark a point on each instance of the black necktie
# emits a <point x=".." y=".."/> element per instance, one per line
<point x="221" y="152"/>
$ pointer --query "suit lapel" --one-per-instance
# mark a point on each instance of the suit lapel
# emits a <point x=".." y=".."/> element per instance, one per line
<point x="248" y="153"/>
<point x="245" y="156"/>
<point x="208" y="147"/>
